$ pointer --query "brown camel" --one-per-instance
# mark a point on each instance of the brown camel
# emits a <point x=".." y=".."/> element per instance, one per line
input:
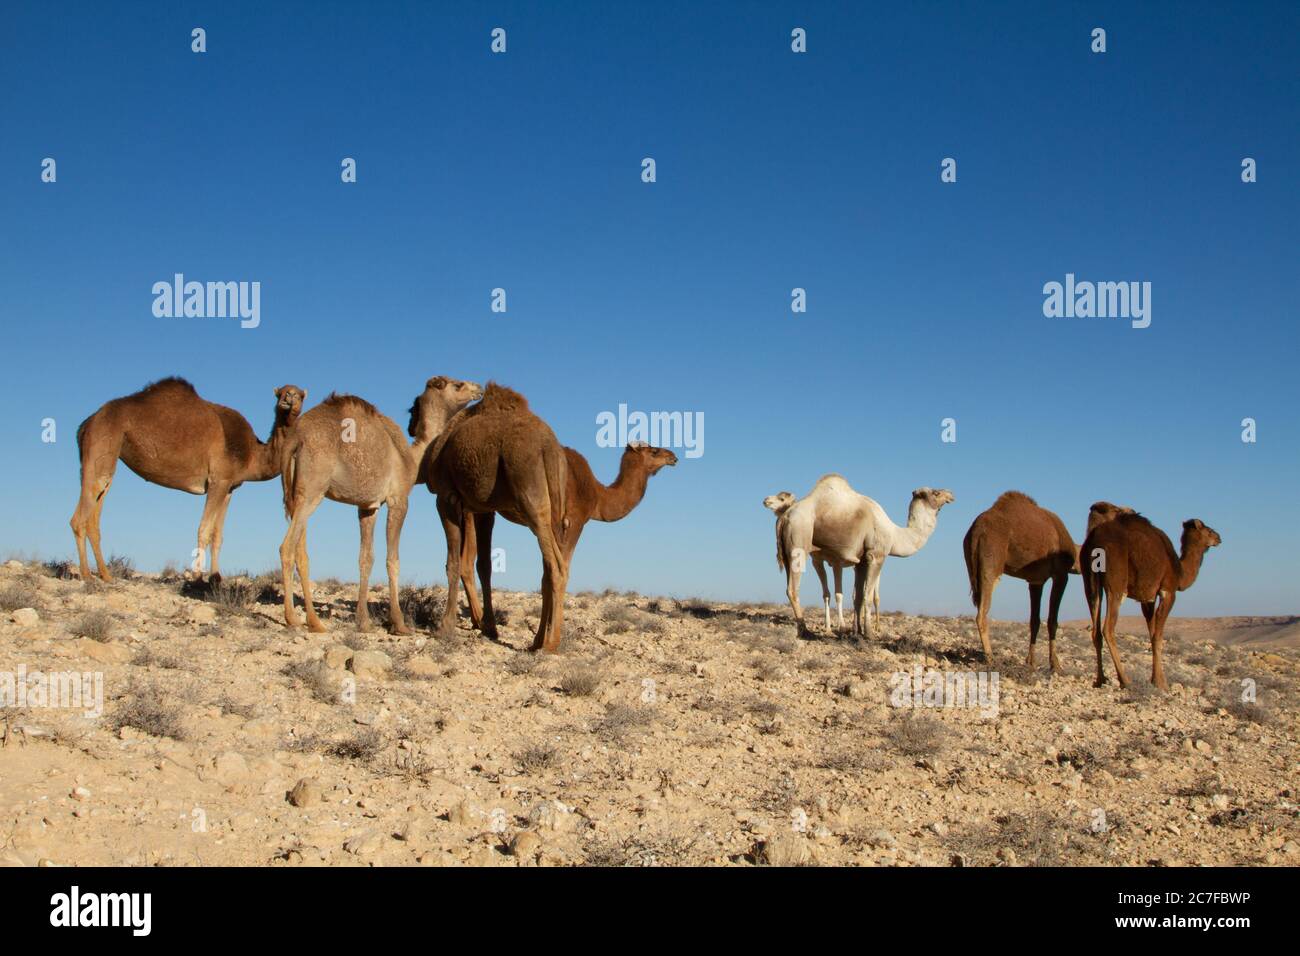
<point x="500" y="457"/>
<point x="344" y="449"/>
<point x="1131" y="557"/>
<point x="1018" y="537"/>
<point x="585" y="499"/>
<point x="170" y="436"/>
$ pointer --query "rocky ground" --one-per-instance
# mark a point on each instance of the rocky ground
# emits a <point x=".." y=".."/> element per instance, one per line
<point x="667" y="732"/>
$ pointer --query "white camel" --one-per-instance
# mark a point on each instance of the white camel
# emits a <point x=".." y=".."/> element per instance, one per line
<point x="780" y="503"/>
<point x="837" y="525"/>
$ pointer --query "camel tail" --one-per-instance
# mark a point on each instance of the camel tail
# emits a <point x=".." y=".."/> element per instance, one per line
<point x="780" y="544"/>
<point x="970" y="547"/>
<point x="288" y="472"/>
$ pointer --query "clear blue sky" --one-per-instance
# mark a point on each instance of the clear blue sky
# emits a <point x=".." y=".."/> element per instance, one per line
<point x="775" y="170"/>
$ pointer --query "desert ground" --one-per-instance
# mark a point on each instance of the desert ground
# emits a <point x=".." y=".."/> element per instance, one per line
<point x="667" y="732"/>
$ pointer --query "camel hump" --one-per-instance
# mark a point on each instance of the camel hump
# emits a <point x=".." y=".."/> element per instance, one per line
<point x="1013" y="498"/>
<point x="499" y="398"/>
<point x="173" y="383"/>
<point x="343" y="400"/>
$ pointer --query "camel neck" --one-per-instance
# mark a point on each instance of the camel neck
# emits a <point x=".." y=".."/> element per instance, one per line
<point x="920" y="525"/>
<point x="431" y="428"/>
<point x="1189" y="565"/>
<point x="266" y="462"/>
<point x="614" y="501"/>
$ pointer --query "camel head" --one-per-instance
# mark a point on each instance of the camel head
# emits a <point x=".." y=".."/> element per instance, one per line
<point x="648" y="457"/>
<point x="442" y="397"/>
<point x="1103" y="511"/>
<point x="779" y="502"/>
<point x="932" y="498"/>
<point x="289" y="400"/>
<point x="1197" y="532"/>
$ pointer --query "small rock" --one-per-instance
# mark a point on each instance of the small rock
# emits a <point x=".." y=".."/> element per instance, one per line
<point x="80" y="793"/>
<point x="525" y="845"/>
<point x="201" y="614"/>
<point x="25" y="617"/>
<point x="552" y="815"/>
<point x="785" y="849"/>
<point x="1203" y="746"/>
<point x="1007" y="856"/>
<point x="337" y="656"/>
<point x="371" y="664"/>
<point x="365" y="843"/>
<point x="229" y="767"/>
<point x="305" y="793"/>
<point x="856" y="689"/>
<point x="881" y="839"/>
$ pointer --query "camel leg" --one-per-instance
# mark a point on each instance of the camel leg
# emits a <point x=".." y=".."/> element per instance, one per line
<point x="792" y="577"/>
<point x="987" y="586"/>
<point x="295" y="543"/>
<point x="1113" y="602"/>
<point x="1165" y="605"/>
<point x="859" y="596"/>
<point x="468" y="561"/>
<point x="451" y="527"/>
<point x="873" y="587"/>
<point x="218" y="525"/>
<point x="97" y="469"/>
<point x="393" y="561"/>
<point x="1053" y="614"/>
<point x="211" y="507"/>
<point x="365" y="561"/>
<point x="555" y="575"/>
<point x="1035" y="605"/>
<point x="820" y="568"/>
<point x="1094" y="592"/>
<point x="875" y="598"/>
<point x="481" y="529"/>
<point x="839" y="593"/>
<point x="304" y="578"/>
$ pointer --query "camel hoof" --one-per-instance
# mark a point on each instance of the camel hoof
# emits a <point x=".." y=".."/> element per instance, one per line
<point x="316" y="627"/>
<point x="446" y="632"/>
<point x="214" y="578"/>
<point x="401" y="630"/>
<point x="1100" y="682"/>
<point x="491" y="634"/>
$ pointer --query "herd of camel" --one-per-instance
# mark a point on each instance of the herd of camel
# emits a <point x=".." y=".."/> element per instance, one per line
<point x="482" y="452"/>
<point x="1123" y="555"/>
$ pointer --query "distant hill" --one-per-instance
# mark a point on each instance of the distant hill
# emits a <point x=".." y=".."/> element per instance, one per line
<point x="1248" y="632"/>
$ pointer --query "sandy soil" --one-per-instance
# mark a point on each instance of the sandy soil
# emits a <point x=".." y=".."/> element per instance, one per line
<point x="667" y="732"/>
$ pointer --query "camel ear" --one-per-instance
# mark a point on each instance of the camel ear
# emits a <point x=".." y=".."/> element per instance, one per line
<point x="1193" y="523"/>
<point x="637" y="444"/>
<point x="438" y="381"/>
<point x="276" y="392"/>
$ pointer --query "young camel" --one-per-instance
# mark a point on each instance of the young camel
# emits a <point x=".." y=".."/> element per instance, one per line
<point x="344" y="449"/>
<point x="585" y="498"/>
<point x="168" y="435"/>
<point x="780" y="503"/>
<point x="852" y="529"/>
<point x="1131" y="557"/>
<point x="500" y="457"/>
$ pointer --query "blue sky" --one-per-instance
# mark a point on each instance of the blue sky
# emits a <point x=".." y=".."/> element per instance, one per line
<point x="775" y="170"/>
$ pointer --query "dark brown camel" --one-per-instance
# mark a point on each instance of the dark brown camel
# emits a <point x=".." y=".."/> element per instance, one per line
<point x="1131" y="557"/>
<point x="170" y="436"/>
<point x="585" y="498"/>
<point x="497" y="456"/>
